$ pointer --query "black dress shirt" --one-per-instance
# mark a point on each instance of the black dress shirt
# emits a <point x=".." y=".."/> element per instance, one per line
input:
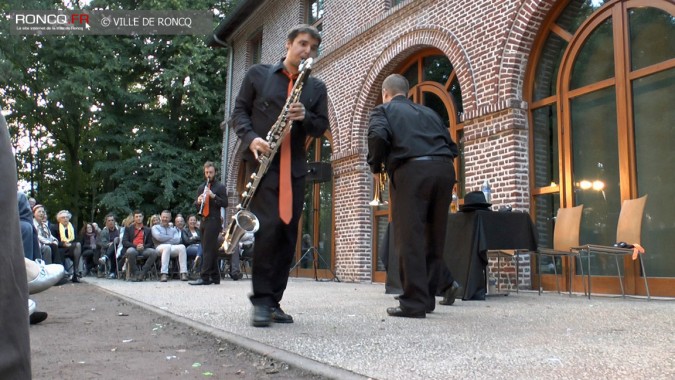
<point x="400" y="130"/>
<point x="259" y="104"/>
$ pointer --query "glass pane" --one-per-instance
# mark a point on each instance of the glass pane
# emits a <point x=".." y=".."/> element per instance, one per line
<point x="546" y="78"/>
<point x="456" y="93"/>
<point x="437" y="68"/>
<point x="325" y="212"/>
<point x="315" y="11"/>
<point x="411" y="75"/>
<point x="654" y="114"/>
<point x="652" y="36"/>
<point x="595" y="61"/>
<point x="546" y="207"/>
<point x="307" y="224"/>
<point x="545" y="154"/>
<point x="432" y="101"/>
<point x="382" y="224"/>
<point x="596" y="170"/>
<point x="461" y="185"/>
<point x="576" y="12"/>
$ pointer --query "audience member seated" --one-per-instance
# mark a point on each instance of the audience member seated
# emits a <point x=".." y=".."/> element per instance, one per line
<point x="106" y="243"/>
<point x="138" y="244"/>
<point x="192" y="238"/>
<point x="170" y="245"/>
<point x="68" y="244"/>
<point x="233" y="261"/>
<point x="42" y="276"/>
<point x="49" y="245"/>
<point x="90" y="252"/>
<point x="179" y="222"/>
<point x="121" y="250"/>
<point x="153" y="221"/>
<point x="31" y="245"/>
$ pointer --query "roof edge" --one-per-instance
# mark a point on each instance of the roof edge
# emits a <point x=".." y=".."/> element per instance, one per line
<point x="227" y="27"/>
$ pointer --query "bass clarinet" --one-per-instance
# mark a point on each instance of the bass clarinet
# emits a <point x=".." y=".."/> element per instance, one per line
<point x="244" y="221"/>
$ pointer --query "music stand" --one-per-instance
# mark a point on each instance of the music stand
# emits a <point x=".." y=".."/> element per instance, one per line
<point x="317" y="172"/>
<point x="315" y="263"/>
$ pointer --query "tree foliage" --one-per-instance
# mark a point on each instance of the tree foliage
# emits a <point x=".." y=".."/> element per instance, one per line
<point x="113" y="123"/>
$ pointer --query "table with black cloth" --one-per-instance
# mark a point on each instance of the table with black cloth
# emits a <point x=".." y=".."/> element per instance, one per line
<point x="469" y="236"/>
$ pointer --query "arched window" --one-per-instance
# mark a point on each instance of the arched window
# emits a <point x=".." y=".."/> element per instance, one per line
<point x="601" y="89"/>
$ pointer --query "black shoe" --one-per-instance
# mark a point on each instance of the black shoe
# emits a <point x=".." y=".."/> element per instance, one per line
<point x="200" y="281"/>
<point x="399" y="311"/>
<point x="262" y="316"/>
<point x="215" y="280"/>
<point x="278" y="316"/>
<point x="75" y="279"/>
<point x="236" y="276"/>
<point x="37" y="317"/>
<point x="139" y="277"/>
<point x="451" y="294"/>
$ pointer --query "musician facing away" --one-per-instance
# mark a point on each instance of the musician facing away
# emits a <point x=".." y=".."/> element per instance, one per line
<point x="416" y="148"/>
<point x="212" y="195"/>
<point x="278" y="200"/>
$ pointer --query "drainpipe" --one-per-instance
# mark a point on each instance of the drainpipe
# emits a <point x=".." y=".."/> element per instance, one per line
<point x="228" y="102"/>
<point x="225" y="125"/>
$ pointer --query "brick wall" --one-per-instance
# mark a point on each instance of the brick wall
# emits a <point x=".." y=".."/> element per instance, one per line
<point x="487" y="42"/>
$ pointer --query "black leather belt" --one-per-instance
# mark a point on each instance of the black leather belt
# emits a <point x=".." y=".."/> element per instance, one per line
<point x="431" y="158"/>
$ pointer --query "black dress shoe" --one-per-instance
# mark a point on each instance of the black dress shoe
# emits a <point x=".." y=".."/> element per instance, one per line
<point x="75" y="279"/>
<point x="399" y="311"/>
<point x="200" y="281"/>
<point x="451" y="294"/>
<point x="236" y="276"/>
<point x="37" y="317"/>
<point x="278" y="316"/>
<point x="215" y="280"/>
<point x="262" y="316"/>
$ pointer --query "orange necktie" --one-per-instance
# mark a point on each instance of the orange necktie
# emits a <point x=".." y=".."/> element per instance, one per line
<point x="285" y="188"/>
<point x="205" y="211"/>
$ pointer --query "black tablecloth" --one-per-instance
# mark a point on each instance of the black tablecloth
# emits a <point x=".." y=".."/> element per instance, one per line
<point x="469" y="236"/>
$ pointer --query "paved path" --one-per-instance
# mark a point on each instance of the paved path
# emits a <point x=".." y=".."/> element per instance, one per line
<point x="341" y="330"/>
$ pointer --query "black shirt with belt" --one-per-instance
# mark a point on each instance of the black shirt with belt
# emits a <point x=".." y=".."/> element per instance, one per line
<point x="417" y="132"/>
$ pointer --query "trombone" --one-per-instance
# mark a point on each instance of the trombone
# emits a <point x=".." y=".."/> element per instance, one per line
<point x="379" y="189"/>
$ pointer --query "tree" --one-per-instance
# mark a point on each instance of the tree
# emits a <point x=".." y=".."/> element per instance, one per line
<point x="115" y="122"/>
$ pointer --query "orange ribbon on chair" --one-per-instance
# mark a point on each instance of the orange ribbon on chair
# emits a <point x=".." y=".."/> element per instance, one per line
<point x="637" y="249"/>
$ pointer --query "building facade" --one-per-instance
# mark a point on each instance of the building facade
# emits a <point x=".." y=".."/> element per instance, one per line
<point x="554" y="103"/>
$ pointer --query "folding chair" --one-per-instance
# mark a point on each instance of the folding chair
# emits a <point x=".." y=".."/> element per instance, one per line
<point x="628" y="233"/>
<point x="565" y="237"/>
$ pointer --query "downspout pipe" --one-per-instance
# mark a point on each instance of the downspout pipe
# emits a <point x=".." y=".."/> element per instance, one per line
<point x="225" y="125"/>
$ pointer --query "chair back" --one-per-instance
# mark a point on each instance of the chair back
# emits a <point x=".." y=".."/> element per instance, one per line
<point x="567" y="225"/>
<point x="629" y="228"/>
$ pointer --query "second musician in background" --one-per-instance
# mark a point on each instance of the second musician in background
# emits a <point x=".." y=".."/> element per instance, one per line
<point x="212" y="195"/>
<point x="280" y="194"/>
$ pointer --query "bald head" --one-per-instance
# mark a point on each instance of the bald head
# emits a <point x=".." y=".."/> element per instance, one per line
<point x="393" y="85"/>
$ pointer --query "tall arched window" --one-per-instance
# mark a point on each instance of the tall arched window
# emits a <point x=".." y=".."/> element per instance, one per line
<point x="602" y="89"/>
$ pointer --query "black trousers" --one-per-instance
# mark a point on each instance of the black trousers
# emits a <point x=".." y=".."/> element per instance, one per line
<point x="421" y="193"/>
<point x="275" y="241"/>
<point x="210" y="228"/>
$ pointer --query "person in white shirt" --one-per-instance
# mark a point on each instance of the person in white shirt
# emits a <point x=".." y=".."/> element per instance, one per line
<point x="169" y="245"/>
